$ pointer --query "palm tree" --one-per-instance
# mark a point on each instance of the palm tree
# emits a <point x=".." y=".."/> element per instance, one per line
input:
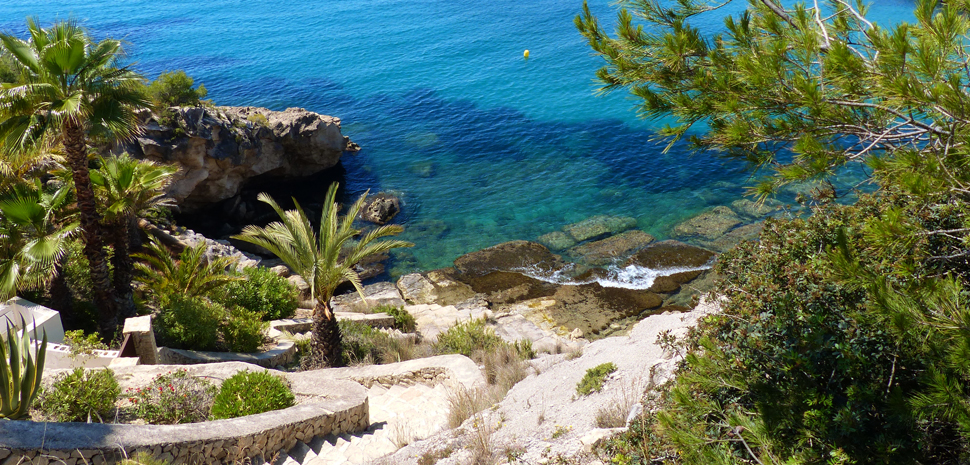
<point x="324" y="259"/>
<point x="33" y="239"/>
<point x="128" y="188"/>
<point x="192" y="275"/>
<point x="71" y="89"/>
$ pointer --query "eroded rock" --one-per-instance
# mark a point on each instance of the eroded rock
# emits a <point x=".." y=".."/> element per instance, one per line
<point x="598" y="226"/>
<point x="670" y="254"/>
<point x="380" y="208"/>
<point x="710" y="224"/>
<point x="508" y="256"/>
<point x="605" y="251"/>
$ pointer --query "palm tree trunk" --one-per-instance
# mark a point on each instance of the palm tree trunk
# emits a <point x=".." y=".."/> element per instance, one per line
<point x="60" y="298"/>
<point x="104" y="295"/>
<point x="123" y="267"/>
<point x="325" y="341"/>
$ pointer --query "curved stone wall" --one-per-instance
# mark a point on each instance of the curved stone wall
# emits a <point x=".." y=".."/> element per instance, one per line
<point x="340" y="407"/>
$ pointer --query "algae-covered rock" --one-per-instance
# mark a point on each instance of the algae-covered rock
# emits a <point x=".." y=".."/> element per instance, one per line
<point x="557" y="240"/>
<point x="710" y="224"/>
<point x="508" y="256"/>
<point x="756" y="209"/>
<point x="748" y="232"/>
<point x="423" y="169"/>
<point x="503" y="287"/>
<point x="380" y="208"/>
<point x="671" y="254"/>
<point x="598" y="226"/>
<point x="592" y="307"/>
<point x="604" y="251"/>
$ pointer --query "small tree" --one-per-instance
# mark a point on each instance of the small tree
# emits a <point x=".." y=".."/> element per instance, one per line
<point x="325" y="259"/>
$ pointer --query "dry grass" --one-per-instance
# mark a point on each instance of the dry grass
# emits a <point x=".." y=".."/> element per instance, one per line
<point x="615" y="413"/>
<point x="481" y="444"/>
<point x="402" y="433"/>
<point x="432" y="457"/>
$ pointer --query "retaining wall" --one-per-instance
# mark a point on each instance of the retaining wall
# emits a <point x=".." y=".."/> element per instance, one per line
<point x="218" y="442"/>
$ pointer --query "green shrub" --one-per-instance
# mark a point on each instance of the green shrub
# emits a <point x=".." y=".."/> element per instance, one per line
<point x="242" y="331"/>
<point x="8" y="70"/>
<point x="172" y="398"/>
<point x="593" y="379"/>
<point x="174" y="89"/>
<point x="189" y="322"/>
<point x="262" y="291"/>
<point x="251" y="392"/>
<point x="467" y="338"/>
<point x="258" y="119"/>
<point x="403" y="321"/>
<point x="83" y="345"/>
<point x="364" y="345"/>
<point x="81" y="395"/>
<point x="144" y="458"/>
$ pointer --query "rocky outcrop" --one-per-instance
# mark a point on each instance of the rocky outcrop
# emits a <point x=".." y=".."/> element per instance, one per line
<point x="380" y="208"/>
<point x="220" y="149"/>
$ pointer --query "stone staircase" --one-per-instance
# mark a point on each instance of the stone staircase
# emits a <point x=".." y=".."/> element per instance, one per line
<point x="399" y="415"/>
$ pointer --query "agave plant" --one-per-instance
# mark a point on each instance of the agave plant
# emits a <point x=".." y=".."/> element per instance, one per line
<point x="20" y="372"/>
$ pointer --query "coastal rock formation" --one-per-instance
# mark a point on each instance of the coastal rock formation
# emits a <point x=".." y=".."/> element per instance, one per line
<point x="509" y="256"/>
<point x="603" y="252"/>
<point x="220" y="149"/>
<point x="380" y="208"/>
<point x="598" y="226"/>
<point x="710" y="224"/>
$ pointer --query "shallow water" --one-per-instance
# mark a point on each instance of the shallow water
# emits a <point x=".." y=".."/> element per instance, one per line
<point x="482" y="145"/>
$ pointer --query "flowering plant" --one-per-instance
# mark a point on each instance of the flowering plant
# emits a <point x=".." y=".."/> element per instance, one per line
<point x="172" y="398"/>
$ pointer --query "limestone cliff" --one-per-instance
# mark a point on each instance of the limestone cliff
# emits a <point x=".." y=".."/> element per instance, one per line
<point x="220" y="149"/>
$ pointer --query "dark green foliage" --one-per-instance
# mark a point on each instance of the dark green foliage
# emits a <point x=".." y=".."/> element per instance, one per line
<point x="174" y="89"/>
<point x="173" y="398"/>
<point x="593" y="379"/>
<point x="262" y="291"/>
<point x="403" y="321"/>
<point x="242" y="330"/>
<point x="81" y="395"/>
<point x="8" y="70"/>
<point x="186" y="322"/>
<point x="251" y="392"/>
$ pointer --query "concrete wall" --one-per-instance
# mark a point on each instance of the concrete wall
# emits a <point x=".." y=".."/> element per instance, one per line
<point x="44" y="318"/>
<point x="59" y="356"/>
<point x="218" y="442"/>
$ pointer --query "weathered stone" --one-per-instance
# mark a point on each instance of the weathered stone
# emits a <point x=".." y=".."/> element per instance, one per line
<point x="598" y="226"/>
<point x="607" y="250"/>
<point x="503" y="287"/>
<point x="557" y="240"/>
<point x="709" y="225"/>
<point x="416" y="288"/>
<point x="508" y="256"/>
<point x="281" y="270"/>
<point x="382" y="293"/>
<point x="734" y="237"/>
<point x="671" y="254"/>
<point x="219" y="149"/>
<point x="592" y="307"/>
<point x="380" y="208"/>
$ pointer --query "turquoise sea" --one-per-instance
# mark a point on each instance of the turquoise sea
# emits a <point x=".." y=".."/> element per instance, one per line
<point x="482" y="145"/>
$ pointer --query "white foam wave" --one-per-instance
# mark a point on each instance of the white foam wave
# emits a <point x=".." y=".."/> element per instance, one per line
<point x="626" y="277"/>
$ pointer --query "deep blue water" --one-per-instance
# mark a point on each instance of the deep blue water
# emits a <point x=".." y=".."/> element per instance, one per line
<point x="482" y="145"/>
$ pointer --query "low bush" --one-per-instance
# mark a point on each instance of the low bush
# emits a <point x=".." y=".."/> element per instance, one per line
<point x="191" y="323"/>
<point x="173" y="398"/>
<point x="81" y="344"/>
<point x="174" y="89"/>
<point x="593" y="379"/>
<point x="364" y="345"/>
<point x="261" y="291"/>
<point x="251" y="392"/>
<point x="81" y="395"/>
<point x="467" y="338"/>
<point x="242" y="331"/>
<point x="403" y="321"/>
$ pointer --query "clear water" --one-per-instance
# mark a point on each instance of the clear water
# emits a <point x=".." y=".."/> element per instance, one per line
<point x="510" y="148"/>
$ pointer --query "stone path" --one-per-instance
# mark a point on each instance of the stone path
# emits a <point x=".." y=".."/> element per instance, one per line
<point x="399" y="414"/>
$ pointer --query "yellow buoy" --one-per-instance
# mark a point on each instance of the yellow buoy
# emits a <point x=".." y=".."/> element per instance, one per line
<point x="525" y="54"/>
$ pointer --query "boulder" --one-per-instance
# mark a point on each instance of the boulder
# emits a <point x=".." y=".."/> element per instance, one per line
<point x="605" y="251"/>
<point x="220" y="149"/>
<point x="671" y="254"/>
<point x="598" y="226"/>
<point x="508" y="256"/>
<point x="380" y="208"/>
<point x="709" y="225"/>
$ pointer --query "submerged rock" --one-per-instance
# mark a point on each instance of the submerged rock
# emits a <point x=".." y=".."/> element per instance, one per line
<point x="423" y="169"/>
<point x="508" y="256"/>
<point x="756" y="209"/>
<point x="598" y="226"/>
<point x="605" y="251"/>
<point x="220" y="149"/>
<point x="557" y="240"/>
<point x="710" y="224"/>
<point x="748" y="232"/>
<point x="592" y="307"/>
